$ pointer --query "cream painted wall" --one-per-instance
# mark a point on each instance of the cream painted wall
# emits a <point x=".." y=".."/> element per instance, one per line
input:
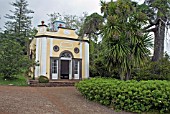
<point x="63" y="45"/>
<point x="48" y="40"/>
<point x="66" y="45"/>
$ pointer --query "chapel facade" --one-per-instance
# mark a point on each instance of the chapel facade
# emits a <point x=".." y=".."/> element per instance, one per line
<point x="59" y="53"/>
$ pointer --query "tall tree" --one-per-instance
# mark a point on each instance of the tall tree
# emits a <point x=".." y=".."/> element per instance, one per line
<point x="124" y="44"/>
<point x="19" y="20"/>
<point x="19" y="23"/>
<point x="158" y="12"/>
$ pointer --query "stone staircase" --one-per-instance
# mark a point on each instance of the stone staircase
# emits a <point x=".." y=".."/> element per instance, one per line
<point x="57" y="83"/>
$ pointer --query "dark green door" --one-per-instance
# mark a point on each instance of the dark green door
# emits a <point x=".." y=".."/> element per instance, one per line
<point x="64" y="69"/>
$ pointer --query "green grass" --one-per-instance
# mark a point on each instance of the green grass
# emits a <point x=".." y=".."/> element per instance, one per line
<point x="19" y="81"/>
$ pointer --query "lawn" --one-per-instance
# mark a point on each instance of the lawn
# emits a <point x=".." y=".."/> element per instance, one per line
<point x="19" y="81"/>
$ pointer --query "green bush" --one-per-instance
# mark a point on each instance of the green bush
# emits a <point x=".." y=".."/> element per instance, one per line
<point x="158" y="70"/>
<point x="12" y="59"/>
<point x="43" y="79"/>
<point x="133" y="96"/>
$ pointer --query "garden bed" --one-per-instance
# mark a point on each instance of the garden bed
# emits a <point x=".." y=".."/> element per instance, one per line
<point x="133" y="96"/>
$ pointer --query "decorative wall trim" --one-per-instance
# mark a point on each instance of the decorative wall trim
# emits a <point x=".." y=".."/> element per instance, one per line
<point x="62" y="44"/>
<point x="37" y="58"/>
<point x="40" y="36"/>
<point x="43" y="56"/>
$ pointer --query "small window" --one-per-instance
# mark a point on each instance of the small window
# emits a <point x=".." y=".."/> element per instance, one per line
<point x="76" y="50"/>
<point x="56" y="48"/>
<point x="54" y="66"/>
<point x="75" y="67"/>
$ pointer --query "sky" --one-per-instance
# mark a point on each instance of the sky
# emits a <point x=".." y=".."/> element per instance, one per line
<point x="43" y="7"/>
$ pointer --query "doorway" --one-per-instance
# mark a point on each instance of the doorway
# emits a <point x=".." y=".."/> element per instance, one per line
<point x="64" y="72"/>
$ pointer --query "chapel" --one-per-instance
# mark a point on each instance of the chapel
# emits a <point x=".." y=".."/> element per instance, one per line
<point x="59" y="53"/>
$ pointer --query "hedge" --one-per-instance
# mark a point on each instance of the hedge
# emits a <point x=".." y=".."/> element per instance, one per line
<point x="133" y="96"/>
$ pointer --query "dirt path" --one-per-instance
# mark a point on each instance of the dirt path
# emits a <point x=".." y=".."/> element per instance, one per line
<point x="47" y="100"/>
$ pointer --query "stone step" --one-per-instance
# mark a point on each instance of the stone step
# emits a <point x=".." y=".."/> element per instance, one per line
<point x="59" y="83"/>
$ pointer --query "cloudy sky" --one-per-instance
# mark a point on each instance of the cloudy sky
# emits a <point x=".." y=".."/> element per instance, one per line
<point x="43" y="7"/>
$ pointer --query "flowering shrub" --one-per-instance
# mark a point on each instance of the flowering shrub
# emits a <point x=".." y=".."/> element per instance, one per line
<point x="133" y="96"/>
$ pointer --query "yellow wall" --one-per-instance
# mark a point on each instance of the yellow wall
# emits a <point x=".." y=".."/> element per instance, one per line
<point x="66" y="45"/>
<point x="63" y="44"/>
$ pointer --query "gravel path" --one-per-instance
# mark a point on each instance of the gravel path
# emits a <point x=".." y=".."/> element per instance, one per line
<point x="47" y="100"/>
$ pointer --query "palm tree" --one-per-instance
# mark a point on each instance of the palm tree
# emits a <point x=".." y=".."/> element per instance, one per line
<point x="124" y="44"/>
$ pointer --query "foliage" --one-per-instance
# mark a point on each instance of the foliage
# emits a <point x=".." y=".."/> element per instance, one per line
<point x="19" y="81"/>
<point x="133" y="96"/>
<point x="72" y="21"/>
<point x="158" y="17"/>
<point x="20" y="19"/>
<point x="92" y="26"/>
<point x="43" y="79"/>
<point x="158" y="70"/>
<point x="12" y="59"/>
<point x="124" y="43"/>
<point x="97" y="65"/>
<point x="18" y="24"/>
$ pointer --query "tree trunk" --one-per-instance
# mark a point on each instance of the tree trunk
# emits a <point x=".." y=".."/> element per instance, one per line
<point x="128" y="77"/>
<point x="121" y="74"/>
<point x="159" y="41"/>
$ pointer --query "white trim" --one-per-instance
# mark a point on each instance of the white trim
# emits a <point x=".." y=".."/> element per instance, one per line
<point x="51" y="47"/>
<point x="43" y="56"/>
<point x="70" y="69"/>
<point x="39" y="52"/>
<point x="37" y="57"/>
<point x="64" y="58"/>
<point x="86" y="60"/>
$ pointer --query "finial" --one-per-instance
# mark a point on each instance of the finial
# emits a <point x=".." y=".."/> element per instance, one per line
<point x="42" y="22"/>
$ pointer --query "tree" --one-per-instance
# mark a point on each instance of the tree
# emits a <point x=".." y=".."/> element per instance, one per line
<point x="19" y="22"/>
<point x="71" y="21"/>
<point x="158" y="18"/>
<point x="92" y="26"/>
<point x="12" y="59"/>
<point x="124" y="43"/>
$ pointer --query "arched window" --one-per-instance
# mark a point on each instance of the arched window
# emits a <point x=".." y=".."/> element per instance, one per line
<point x="66" y="54"/>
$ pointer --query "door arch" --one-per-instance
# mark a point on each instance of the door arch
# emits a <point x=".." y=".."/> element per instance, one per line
<point x="66" y="54"/>
<point x="66" y="65"/>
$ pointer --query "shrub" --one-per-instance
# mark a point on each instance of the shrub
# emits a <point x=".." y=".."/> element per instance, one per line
<point x="12" y="59"/>
<point x="158" y="70"/>
<point x="43" y="79"/>
<point x="133" y="96"/>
